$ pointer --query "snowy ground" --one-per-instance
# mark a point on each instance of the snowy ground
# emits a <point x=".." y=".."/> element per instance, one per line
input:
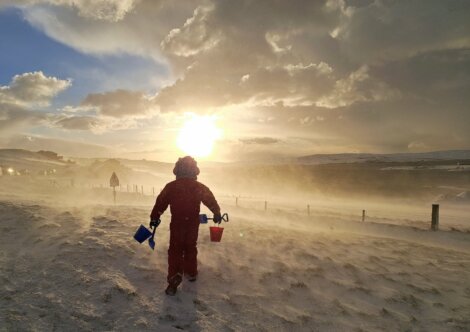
<point x="68" y="267"/>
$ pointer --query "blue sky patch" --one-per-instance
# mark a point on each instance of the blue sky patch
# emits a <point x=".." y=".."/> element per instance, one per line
<point x="25" y="49"/>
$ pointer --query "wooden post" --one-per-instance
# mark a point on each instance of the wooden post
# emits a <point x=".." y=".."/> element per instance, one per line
<point x="308" y="210"/>
<point x="435" y="217"/>
<point x="363" y="215"/>
<point x="114" y="195"/>
<point x="236" y="201"/>
<point x="142" y="188"/>
<point x="265" y="205"/>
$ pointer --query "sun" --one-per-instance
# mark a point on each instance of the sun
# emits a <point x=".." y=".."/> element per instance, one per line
<point x="198" y="135"/>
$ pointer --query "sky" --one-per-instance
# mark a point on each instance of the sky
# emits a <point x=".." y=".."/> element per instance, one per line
<point x="120" y="78"/>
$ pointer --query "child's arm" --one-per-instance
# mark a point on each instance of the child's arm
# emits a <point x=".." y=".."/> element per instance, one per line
<point x="208" y="199"/>
<point x="161" y="204"/>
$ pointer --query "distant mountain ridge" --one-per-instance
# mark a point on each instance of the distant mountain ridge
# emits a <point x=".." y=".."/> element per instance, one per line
<point x="21" y="154"/>
<point x="8" y="156"/>
<point x="390" y="157"/>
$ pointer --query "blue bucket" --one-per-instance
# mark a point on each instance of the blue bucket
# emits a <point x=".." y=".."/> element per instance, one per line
<point x="142" y="234"/>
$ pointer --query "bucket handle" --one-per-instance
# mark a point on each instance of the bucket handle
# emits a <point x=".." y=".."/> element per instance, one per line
<point x="224" y="218"/>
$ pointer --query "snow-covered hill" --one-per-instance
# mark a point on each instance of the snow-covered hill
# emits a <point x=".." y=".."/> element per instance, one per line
<point x="18" y="161"/>
<point x="394" y="157"/>
<point x="73" y="267"/>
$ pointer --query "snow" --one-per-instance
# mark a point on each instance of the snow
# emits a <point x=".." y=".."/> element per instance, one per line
<point x="67" y="267"/>
<point x="68" y="261"/>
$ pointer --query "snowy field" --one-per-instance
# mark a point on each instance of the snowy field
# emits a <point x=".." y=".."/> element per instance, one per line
<point x="70" y="264"/>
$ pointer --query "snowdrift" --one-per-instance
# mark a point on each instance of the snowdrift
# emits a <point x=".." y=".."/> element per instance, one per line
<point x="72" y="268"/>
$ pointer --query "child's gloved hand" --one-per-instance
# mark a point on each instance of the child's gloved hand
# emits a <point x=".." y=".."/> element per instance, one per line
<point x="217" y="218"/>
<point x="154" y="223"/>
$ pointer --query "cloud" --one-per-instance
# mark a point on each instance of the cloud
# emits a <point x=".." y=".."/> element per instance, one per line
<point x="358" y="87"/>
<point x="359" y="74"/>
<point x="260" y="140"/>
<point x="107" y="10"/>
<point x="108" y="111"/>
<point x="201" y="41"/>
<point x="329" y="53"/>
<point x="232" y="56"/>
<point x="95" y="124"/>
<point x="21" y="99"/>
<point x="377" y="31"/>
<point x="109" y="27"/>
<point x="79" y="123"/>
<point x="194" y="37"/>
<point x="22" y="104"/>
<point x="13" y="118"/>
<point x="32" y="89"/>
<point x="121" y="103"/>
<point x="225" y="53"/>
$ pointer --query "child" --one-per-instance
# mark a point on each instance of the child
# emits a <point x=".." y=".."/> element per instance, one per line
<point x="184" y="195"/>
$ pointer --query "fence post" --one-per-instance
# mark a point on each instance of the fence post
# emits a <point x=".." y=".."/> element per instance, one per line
<point x="265" y="205"/>
<point x="308" y="210"/>
<point x="363" y="215"/>
<point x="435" y="217"/>
<point x="142" y="187"/>
<point x="236" y="201"/>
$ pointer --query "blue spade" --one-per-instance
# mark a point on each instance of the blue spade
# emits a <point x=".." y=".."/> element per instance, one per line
<point x="143" y="233"/>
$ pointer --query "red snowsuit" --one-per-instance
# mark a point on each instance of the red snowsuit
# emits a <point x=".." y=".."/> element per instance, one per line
<point x="184" y="196"/>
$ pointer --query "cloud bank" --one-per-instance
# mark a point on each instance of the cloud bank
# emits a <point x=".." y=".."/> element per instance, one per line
<point x="379" y="76"/>
<point x="22" y="100"/>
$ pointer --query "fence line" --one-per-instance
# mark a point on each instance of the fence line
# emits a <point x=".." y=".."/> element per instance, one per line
<point x="422" y="218"/>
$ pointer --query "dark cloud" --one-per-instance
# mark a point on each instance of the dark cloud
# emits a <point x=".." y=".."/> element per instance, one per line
<point x="245" y="56"/>
<point x="260" y="140"/>
<point x="79" y="123"/>
<point x="383" y="30"/>
<point x="120" y="103"/>
<point x="14" y="118"/>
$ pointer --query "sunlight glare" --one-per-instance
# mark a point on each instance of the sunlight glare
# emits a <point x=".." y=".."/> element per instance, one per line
<point x="198" y="135"/>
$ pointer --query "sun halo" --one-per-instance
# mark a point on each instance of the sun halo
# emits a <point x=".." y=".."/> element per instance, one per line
<point x="198" y="135"/>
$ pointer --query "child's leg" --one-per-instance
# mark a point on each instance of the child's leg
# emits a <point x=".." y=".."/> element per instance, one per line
<point x="175" y="251"/>
<point x="190" y="251"/>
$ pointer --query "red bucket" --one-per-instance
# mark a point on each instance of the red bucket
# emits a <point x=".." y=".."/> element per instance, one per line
<point x="216" y="233"/>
